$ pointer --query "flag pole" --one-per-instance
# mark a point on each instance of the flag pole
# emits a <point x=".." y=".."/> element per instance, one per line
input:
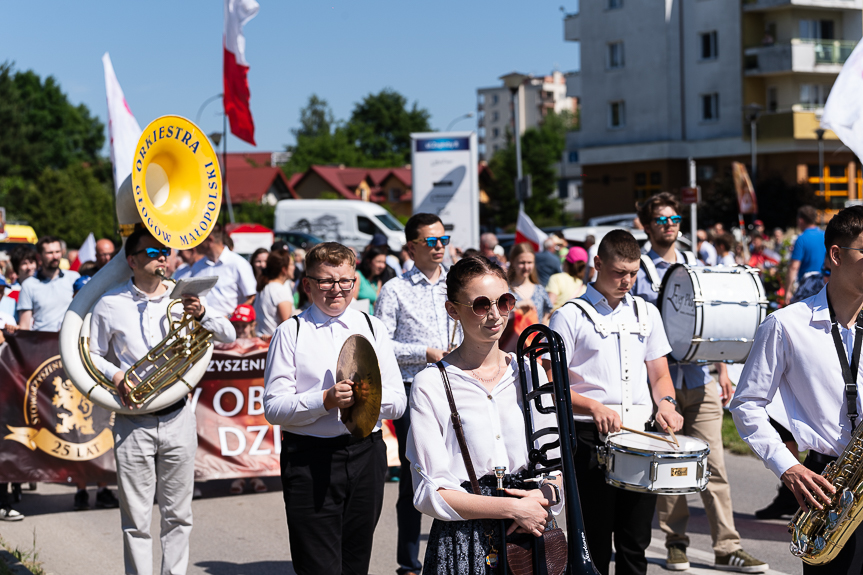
<point x="225" y="163"/>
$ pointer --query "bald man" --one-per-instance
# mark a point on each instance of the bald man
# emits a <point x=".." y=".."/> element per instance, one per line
<point x="104" y="252"/>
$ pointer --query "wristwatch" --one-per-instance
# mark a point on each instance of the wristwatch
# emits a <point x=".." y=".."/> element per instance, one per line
<point x="670" y="400"/>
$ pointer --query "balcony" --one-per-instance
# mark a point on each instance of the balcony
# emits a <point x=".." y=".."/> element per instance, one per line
<point x="572" y="27"/>
<point x="800" y="55"/>
<point x="765" y="5"/>
<point x="798" y="123"/>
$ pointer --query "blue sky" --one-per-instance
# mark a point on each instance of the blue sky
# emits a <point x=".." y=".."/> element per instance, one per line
<point x="168" y="54"/>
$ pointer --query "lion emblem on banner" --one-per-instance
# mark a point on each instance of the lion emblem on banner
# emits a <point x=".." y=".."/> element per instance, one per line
<point x="68" y="398"/>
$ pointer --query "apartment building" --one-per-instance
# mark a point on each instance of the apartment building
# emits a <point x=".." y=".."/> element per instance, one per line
<point x="660" y="81"/>
<point x="542" y="94"/>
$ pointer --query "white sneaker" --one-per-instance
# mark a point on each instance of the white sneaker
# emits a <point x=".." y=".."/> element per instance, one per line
<point x="9" y="514"/>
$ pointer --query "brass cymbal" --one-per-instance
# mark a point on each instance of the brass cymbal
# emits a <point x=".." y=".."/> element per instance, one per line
<point x="359" y="363"/>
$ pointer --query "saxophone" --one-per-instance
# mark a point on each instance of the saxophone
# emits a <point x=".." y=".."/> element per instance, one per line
<point x="817" y="536"/>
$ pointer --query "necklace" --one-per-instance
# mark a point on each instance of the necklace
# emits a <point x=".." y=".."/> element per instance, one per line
<point x="484" y="379"/>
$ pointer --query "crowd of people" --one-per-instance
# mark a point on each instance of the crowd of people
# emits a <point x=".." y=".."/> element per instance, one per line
<point x="443" y="323"/>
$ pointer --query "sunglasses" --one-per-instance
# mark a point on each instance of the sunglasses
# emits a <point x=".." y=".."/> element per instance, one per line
<point x="432" y="241"/>
<point x="326" y="284"/>
<point x="663" y="220"/>
<point x="482" y="305"/>
<point x="153" y="253"/>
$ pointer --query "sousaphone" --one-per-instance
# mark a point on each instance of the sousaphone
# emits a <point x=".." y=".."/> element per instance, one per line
<point x="175" y="191"/>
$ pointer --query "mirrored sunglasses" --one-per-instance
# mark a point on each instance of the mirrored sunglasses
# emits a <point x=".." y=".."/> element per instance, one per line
<point x="432" y="241"/>
<point x="663" y="220"/>
<point x="153" y="253"/>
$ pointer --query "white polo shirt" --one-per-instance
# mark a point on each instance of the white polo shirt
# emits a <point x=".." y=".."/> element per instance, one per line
<point x="594" y="360"/>
<point x="47" y="299"/>
<point x="236" y="280"/>
<point x="794" y="353"/>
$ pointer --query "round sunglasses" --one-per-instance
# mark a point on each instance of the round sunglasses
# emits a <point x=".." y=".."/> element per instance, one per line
<point x="481" y="306"/>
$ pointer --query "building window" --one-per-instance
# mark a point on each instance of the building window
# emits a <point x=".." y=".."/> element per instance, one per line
<point x="616" y="114"/>
<point x="710" y="107"/>
<point x="495" y="116"/>
<point x="573" y="156"/>
<point x="709" y="46"/>
<point x="772" y="99"/>
<point x="813" y="95"/>
<point x="480" y="99"/>
<point x="495" y="98"/>
<point x="615" y="4"/>
<point x="365" y="226"/>
<point x="816" y="29"/>
<point x="615" y="55"/>
<point x="496" y="147"/>
<point x="647" y="184"/>
<point x="495" y="132"/>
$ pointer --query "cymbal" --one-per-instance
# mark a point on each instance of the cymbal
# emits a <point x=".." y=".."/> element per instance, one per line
<point x="359" y="363"/>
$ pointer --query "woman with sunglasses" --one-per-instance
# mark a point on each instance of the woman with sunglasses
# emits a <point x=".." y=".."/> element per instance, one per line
<point x="466" y="534"/>
<point x="524" y="282"/>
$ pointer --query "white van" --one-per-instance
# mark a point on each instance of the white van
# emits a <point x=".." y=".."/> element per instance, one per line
<point x="349" y="222"/>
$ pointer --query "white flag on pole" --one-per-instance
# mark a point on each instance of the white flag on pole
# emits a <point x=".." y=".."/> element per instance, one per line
<point x="87" y="253"/>
<point x="526" y="231"/>
<point x="843" y="112"/>
<point x="123" y="128"/>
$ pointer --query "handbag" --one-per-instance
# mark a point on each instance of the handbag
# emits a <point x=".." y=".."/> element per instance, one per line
<point x="519" y="547"/>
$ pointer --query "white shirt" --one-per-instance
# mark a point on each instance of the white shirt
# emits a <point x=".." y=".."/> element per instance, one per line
<point x="182" y="271"/>
<point x="728" y="260"/>
<point x="236" y="280"/>
<point x="129" y="323"/>
<point x="299" y="370"/>
<point x="708" y="254"/>
<point x="493" y="430"/>
<point x="594" y="360"/>
<point x="267" y="306"/>
<point x="794" y="352"/>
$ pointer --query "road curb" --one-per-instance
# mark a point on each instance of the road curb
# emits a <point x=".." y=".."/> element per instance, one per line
<point x="14" y="565"/>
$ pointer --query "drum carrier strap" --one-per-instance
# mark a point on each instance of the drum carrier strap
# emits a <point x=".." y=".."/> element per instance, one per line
<point x="849" y="372"/>
<point x="605" y="327"/>
<point x="653" y="275"/>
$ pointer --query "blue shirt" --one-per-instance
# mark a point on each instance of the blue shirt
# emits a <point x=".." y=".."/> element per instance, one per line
<point x="809" y="250"/>
<point x="48" y="299"/>
<point x="689" y="375"/>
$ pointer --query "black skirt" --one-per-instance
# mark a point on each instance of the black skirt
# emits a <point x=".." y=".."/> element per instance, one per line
<point x="461" y="547"/>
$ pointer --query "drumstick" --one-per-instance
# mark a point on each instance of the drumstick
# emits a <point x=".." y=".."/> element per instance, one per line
<point x="671" y="433"/>
<point x="645" y="434"/>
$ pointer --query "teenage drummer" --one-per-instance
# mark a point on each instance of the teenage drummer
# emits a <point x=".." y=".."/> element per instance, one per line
<point x="333" y="482"/>
<point x="699" y="401"/>
<point x="615" y="344"/>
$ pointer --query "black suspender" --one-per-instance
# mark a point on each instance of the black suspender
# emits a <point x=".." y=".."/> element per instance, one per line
<point x="849" y="372"/>
<point x="368" y="321"/>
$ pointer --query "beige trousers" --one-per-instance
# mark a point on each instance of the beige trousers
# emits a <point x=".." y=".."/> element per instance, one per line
<point x="702" y="418"/>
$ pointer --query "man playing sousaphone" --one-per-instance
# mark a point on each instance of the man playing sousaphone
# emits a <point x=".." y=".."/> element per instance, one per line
<point x="155" y="452"/>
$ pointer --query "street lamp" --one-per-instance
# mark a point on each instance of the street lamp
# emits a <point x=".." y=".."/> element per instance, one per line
<point x="515" y="82"/>
<point x="753" y="112"/>
<point x="820" y="133"/>
<point x="459" y="119"/>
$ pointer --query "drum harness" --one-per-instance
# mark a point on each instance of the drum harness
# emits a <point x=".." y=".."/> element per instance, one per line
<point x="650" y="268"/>
<point x="624" y="331"/>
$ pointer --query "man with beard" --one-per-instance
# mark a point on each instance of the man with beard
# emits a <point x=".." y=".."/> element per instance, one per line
<point x="699" y="401"/>
<point x="45" y="297"/>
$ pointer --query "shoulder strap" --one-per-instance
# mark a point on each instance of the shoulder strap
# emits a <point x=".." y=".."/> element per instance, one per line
<point x="459" y="432"/>
<point x="690" y="258"/>
<point x="298" y="325"/>
<point x="369" y="321"/>
<point x="650" y="270"/>
<point x="598" y="323"/>
<point x="641" y="314"/>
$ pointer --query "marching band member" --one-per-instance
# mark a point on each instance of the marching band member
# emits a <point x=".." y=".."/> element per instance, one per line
<point x="803" y="350"/>
<point x="615" y="343"/>
<point x="699" y="402"/>
<point x="155" y="452"/>
<point x="465" y="537"/>
<point x="333" y="482"/>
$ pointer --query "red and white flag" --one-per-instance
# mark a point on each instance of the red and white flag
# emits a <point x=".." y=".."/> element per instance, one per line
<point x="236" y="98"/>
<point x="123" y="128"/>
<point x="87" y="253"/>
<point x="526" y="231"/>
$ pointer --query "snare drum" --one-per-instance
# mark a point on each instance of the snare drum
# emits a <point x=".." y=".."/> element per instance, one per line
<point x="637" y="463"/>
<point x="711" y="313"/>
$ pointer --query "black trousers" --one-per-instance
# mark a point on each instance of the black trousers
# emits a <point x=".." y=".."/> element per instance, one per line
<point x="849" y="561"/>
<point x="334" y="492"/>
<point x="610" y="512"/>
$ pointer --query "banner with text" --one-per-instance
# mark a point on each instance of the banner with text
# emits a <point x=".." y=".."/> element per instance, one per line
<point x="52" y="433"/>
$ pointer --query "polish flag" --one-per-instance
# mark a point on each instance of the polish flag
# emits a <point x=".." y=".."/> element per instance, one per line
<point x="87" y="253"/>
<point x="123" y="128"/>
<point x="526" y="231"/>
<point x="236" y="98"/>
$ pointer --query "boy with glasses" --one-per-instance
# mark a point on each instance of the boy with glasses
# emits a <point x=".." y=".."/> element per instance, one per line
<point x="412" y="309"/>
<point x="333" y="482"/>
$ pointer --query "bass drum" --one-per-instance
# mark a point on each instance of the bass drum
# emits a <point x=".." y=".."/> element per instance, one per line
<point x="711" y="314"/>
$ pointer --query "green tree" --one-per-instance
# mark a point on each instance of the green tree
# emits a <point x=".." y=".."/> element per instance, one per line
<point x="254" y="213"/>
<point x="382" y="125"/>
<point x="541" y="148"/>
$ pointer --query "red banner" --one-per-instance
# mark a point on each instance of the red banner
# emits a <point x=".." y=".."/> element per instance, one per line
<point x="52" y="433"/>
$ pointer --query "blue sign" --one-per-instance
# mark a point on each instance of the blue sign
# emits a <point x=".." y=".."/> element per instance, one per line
<point x="443" y="144"/>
